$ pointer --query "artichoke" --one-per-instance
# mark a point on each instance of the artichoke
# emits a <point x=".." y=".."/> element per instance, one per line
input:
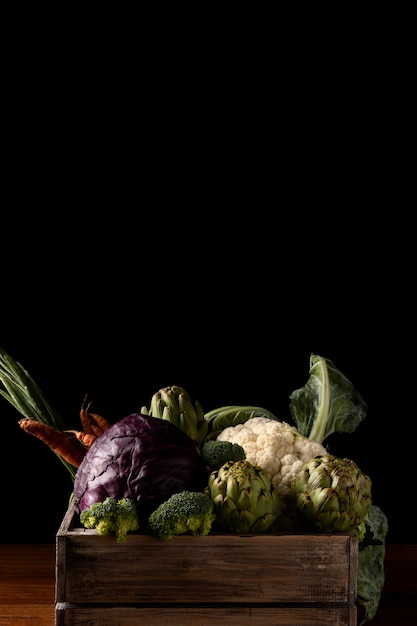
<point x="332" y="494"/>
<point x="175" y="405"/>
<point x="244" y="498"/>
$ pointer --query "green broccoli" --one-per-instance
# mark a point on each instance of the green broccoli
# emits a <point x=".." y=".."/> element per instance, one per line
<point x="183" y="512"/>
<point x="217" y="453"/>
<point x="111" y="515"/>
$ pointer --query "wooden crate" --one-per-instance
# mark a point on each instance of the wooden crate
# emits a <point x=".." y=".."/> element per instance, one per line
<point x="262" y="579"/>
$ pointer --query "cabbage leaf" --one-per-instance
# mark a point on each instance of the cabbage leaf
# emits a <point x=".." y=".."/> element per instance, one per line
<point x="371" y="573"/>
<point x="328" y="403"/>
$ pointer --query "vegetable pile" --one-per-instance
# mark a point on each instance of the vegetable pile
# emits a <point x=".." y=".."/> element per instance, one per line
<point x="143" y="458"/>
<point x="172" y="468"/>
<point x="281" y="451"/>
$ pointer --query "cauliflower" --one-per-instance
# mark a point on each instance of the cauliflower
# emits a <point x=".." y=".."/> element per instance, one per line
<point x="280" y="450"/>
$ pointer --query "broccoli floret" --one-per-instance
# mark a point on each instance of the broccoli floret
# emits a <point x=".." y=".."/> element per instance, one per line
<point x="111" y="515"/>
<point x="217" y="453"/>
<point x="183" y="512"/>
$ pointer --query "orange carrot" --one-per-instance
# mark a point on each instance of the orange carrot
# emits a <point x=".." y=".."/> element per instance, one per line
<point x="85" y="438"/>
<point x="98" y="423"/>
<point x="92" y="423"/>
<point x="85" y="422"/>
<point x="69" y="448"/>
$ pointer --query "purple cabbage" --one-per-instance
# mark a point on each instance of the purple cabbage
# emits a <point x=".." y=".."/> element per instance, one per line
<point x="144" y="458"/>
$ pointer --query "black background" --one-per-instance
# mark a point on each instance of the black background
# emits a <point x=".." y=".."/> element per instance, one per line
<point x="206" y="223"/>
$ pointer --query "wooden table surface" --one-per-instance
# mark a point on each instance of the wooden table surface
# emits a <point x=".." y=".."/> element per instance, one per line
<point x="27" y="586"/>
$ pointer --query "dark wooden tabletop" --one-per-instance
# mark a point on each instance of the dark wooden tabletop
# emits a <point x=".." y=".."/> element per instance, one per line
<point x="27" y="586"/>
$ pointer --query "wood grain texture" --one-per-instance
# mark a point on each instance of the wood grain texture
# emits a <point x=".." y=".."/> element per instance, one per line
<point x="27" y="588"/>
<point x="199" y="616"/>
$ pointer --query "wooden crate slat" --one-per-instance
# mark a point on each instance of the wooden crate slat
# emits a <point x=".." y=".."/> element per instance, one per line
<point x="72" y="615"/>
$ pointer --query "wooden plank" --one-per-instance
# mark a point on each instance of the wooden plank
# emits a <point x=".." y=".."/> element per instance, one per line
<point x="70" y="615"/>
<point x="27" y="614"/>
<point x="61" y="555"/>
<point x="230" y="569"/>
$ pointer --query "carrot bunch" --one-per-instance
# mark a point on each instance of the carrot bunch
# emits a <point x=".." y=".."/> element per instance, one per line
<point x="71" y="445"/>
<point x="42" y="420"/>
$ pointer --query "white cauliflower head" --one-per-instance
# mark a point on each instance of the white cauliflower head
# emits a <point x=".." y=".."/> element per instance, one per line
<point x="279" y="450"/>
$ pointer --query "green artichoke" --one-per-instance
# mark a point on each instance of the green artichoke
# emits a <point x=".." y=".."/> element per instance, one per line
<point x="332" y="494"/>
<point x="175" y="405"/>
<point x="244" y="498"/>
